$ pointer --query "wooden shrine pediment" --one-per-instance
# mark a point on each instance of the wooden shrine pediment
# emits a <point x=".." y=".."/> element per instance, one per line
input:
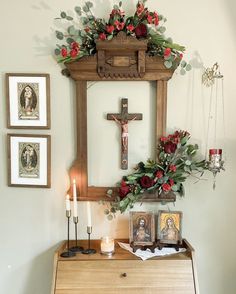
<point x="123" y="56"/>
<point x="121" y="59"/>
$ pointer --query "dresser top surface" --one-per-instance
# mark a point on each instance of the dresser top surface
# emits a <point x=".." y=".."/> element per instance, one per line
<point x="120" y="253"/>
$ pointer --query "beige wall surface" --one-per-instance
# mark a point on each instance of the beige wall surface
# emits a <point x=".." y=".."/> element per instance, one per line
<point x="32" y="221"/>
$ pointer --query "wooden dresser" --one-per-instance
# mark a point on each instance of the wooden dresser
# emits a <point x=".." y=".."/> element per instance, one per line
<point x="124" y="273"/>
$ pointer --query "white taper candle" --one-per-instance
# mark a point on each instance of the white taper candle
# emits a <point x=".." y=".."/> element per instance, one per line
<point x="75" y="199"/>
<point x="67" y="202"/>
<point x="89" y="214"/>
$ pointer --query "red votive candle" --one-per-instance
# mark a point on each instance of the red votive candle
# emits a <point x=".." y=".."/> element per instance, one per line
<point x="215" y="151"/>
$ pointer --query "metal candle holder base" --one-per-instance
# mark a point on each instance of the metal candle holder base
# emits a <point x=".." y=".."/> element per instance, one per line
<point x="89" y="250"/>
<point x="68" y="253"/>
<point x="76" y="248"/>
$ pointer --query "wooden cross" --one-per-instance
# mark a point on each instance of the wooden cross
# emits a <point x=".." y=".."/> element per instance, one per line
<point x="123" y="119"/>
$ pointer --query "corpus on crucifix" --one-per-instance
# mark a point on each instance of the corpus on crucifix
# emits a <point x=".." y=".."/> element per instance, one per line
<point x="123" y="119"/>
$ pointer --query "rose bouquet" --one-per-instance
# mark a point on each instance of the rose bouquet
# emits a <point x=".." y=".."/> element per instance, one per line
<point x="177" y="161"/>
<point x="78" y="42"/>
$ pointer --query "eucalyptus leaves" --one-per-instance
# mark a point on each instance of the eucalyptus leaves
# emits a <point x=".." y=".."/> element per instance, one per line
<point x="81" y="34"/>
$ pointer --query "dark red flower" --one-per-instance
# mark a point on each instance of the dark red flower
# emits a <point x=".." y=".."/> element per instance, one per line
<point x="87" y="29"/>
<point x="159" y="174"/>
<point x="64" y="52"/>
<point x="146" y="182"/>
<point x="171" y="181"/>
<point x="166" y="187"/>
<point x="141" y="31"/>
<point x="181" y="55"/>
<point x="130" y="27"/>
<point x="167" y="52"/>
<point x="102" y="36"/>
<point x="110" y="29"/>
<point x="74" y="53"/>
<point x="172" y="168"/>
<point x="170" y="147"/>
<point x="124" y="190"/>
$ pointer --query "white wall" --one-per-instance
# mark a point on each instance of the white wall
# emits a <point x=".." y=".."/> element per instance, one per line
<point x="32" y="221"/>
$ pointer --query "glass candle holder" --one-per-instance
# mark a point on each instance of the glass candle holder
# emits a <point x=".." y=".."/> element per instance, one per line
<point x="215" y="158"/>
<point x="107" y="246"/>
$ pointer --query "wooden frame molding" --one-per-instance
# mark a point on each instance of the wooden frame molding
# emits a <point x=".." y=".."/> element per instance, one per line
<point x="86" y="69"/>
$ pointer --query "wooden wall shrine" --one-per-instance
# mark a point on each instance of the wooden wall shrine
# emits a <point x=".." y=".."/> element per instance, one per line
<point x="121" y="59"/>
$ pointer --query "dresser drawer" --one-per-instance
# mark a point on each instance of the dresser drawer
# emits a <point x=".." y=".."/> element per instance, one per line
<point x="125" y="276"/>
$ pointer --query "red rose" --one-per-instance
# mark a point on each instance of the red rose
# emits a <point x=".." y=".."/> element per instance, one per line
<point x="124" y="189"/>
<point x="141" y="31"/>
<point x="159" y="174"/>
<point x="167" y="52"/>
<point x="146" y="182"/>
<point x="181" y="55"/>
<point x="64" y="52"/>
<point x="87" y="29"/>
<point x="166" y="187"/>
<point x="110" y="29"/>
<point x="74" y="53"/>
<point x="156" y="19"/>
<point x="171" y="181"/>
<point x="130" y="27"/>
<point x="149" y="18"/>
<point x="170" y="147"/>
<point x="74" y="45"/>
<point x="163" y="139"/>
<point x="172" y="168"/>
<point x="102" y="36"/>
<point x="140" y="9"/>
<point x="119" y="25"/>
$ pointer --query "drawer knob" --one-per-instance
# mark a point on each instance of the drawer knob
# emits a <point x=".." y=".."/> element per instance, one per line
<point x="123" y="275"/>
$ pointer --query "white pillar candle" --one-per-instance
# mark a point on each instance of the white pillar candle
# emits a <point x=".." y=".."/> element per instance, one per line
<point x="67" y="202"/>
<point x="75" y="199"/>
<point x="107" y="245"/>
<point x="89" y="214"/>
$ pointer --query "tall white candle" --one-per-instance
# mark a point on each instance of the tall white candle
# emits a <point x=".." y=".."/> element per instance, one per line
<point x="67" y="202"/>
<point x="75" y="199"/>
<point x="89" y="214"/>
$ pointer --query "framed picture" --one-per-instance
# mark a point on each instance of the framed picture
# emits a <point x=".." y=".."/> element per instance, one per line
<point x="142" y="228"/>
<point x="28" y="101"/>
<point x="169" y="227"/>
<point x="29" y="160"/>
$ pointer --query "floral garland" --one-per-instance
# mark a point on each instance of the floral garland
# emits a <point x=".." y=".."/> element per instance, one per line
<point x="177" y="161"/>
<point x="143" y="24"/>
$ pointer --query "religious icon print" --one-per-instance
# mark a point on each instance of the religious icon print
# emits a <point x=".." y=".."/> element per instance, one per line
<point x="29" y="159"/>
<point x="28" y="101"/>
<point x="169" y="227"/>
<point x="142" y="230"/>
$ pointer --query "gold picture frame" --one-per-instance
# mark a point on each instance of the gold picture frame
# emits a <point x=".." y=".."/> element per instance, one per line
<point x="169" y="227"/>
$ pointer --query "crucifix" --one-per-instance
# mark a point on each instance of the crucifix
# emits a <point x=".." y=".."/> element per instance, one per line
<point x="123" y="119"/>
